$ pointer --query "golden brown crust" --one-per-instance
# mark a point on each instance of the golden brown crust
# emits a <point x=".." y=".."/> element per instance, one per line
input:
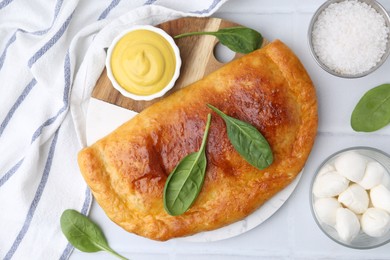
<point x="127" y="170"/>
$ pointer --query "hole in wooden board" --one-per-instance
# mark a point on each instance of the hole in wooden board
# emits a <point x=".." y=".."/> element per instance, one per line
<point x="222" y="53"/>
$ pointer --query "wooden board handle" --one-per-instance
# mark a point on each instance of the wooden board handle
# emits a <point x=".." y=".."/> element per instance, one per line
<point x="197" y="54"/>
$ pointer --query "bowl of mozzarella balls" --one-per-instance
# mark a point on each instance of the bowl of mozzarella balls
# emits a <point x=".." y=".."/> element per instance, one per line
<point x="350" y="197"/>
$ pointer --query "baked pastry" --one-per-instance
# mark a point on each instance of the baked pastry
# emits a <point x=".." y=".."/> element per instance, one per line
<point x="126" y="171"/>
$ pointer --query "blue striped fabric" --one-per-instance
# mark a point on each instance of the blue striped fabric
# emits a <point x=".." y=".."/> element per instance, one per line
<point x="150" y="2"/>
<point x="11" y="172"/>
<point x="50" y="43"/>
<point x="40" y="32"/>
<point x="36" y="199"/>
<point x="53" y="123"/>
<point x="3" y="55"/>
<point x="57" y="9"/>
<point x="16" y="105"/>
<point x="38" y="132"/>
<point x="41" y="187"/>
<point x="207" y="10"/>
<point x="48" y="122"/>
<point x="4" y="3"/>
<point x="108" y="9"/>
<point x="84" y="210"/>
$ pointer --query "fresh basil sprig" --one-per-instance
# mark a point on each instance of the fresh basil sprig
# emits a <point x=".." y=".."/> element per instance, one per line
<point x="186" y="180"/>
<point x="238" y="39"/>
<point x="372" y="112"/>
<point x="247" y="140"/>
<point x="83" y="234"/>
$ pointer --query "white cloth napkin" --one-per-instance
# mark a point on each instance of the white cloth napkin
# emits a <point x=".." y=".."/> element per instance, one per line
<point x="51" y="55"/>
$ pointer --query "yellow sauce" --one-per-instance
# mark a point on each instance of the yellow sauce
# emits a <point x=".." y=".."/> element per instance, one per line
<point x="143" y="62"/>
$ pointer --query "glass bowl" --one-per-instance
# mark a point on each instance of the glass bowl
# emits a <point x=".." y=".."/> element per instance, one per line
<point x="362" y="240"/>
<point x="375" y="5"/>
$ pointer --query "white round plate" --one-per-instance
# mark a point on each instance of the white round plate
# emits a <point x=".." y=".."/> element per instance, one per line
<point x="102" y="118"/>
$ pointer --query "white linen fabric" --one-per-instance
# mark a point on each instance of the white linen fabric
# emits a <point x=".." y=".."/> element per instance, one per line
<point x="51" y="55"/>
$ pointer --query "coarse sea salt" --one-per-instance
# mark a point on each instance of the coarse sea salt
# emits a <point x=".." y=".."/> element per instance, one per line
<point x="350" y="37"/>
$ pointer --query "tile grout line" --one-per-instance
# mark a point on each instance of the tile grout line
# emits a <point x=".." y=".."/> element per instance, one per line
<point x="351" y="134"/>
<point x="232" y="252"/>
<point x="290" y="223"/>
<point x="270" y="12"/>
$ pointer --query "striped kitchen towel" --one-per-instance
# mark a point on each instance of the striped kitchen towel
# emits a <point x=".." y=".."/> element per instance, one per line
<point x="51" y="54"/>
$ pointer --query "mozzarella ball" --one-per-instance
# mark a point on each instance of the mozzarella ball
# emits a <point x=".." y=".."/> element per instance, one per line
<point x="373" y="175"/>
<point x="325" y="209"/>
<point x="375" y="222"/>
<point x="326" y="168"/>
<point x="347" y="224"/>
<point x="351" y="165"/>
<point x="386" y="181"/>
<point x="355" y="198"/>
<point x="329" y="184"/>
<point x="380" y="197"/>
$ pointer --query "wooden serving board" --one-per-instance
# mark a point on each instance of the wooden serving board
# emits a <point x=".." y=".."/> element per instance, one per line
<point x="197" y="54"/>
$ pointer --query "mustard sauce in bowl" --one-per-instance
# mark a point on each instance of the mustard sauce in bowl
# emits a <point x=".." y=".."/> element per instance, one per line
<point x="143" y="63"/>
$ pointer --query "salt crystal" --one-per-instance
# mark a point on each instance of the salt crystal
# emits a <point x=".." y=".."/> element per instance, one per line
<point x="350" y="37"/>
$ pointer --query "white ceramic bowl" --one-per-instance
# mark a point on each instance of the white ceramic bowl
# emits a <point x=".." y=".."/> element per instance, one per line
<point x="171" y="83"/>
<point x="362" y="240"/>
<point x="376" y="6"/>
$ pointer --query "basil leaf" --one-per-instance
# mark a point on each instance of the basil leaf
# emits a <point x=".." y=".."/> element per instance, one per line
<point x="238" y="39"/>
<point x="83" y="234"/>
<point x="372" y="112"/>
<point x="247" y="141"/>
<point x="186" y="180"/>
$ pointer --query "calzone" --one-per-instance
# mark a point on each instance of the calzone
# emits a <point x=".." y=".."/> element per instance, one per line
<point x="126" y="170"/>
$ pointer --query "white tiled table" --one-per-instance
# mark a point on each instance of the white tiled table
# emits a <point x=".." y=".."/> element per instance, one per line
<point x="291" y="232"/>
